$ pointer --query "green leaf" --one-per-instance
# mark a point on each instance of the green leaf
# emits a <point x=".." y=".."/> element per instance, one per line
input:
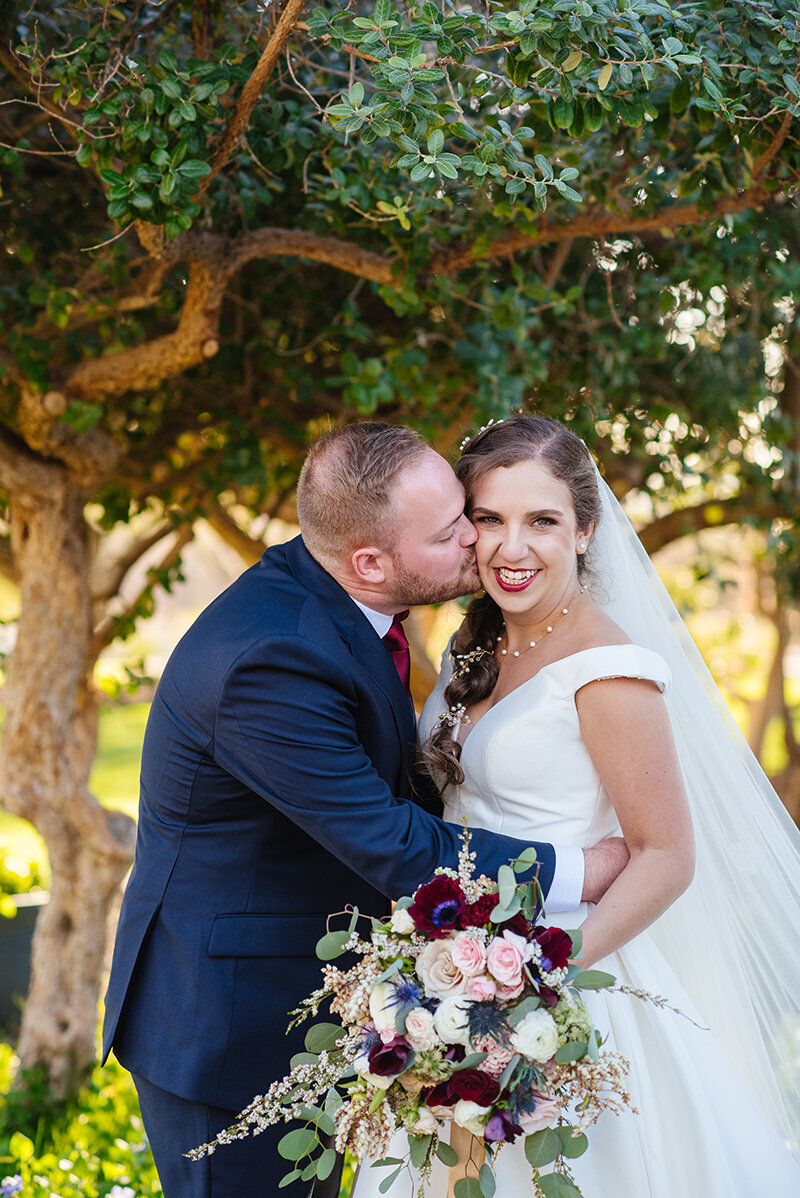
<point x="545" y="167"/>
<point x="356" y="95"/>
<point x="331" y="945"/>
<point x="506" y="884"/>
<point x="288" y="1179"/>
<point x="488" y="1183"/>
<point x="447" y="1155"/>
<point x="542" y="1147"/>
<point x="573" y="1144"/>
<point x="556" y="1185"/>
<point x="468" y="1187"/>
<point x="436" y="142"/>
<point x="326" y="1163"/>
<point x="593" y="979"/>
<point x="303" y="1058"/>
<point x="418" y="1149"/>
<point x="573" y="1050"/>
<point x="322" y="1037"/>
<point x="296" y="1144"/>
<point x="471" y="1061"/>
<point x="194" y="168"/>
<point x="389" y="1181"/>
<point x="518" y="1013"/>
<point x="529" y="857"/>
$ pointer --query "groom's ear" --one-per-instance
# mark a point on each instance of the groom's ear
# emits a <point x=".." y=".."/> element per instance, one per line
<point x="369" y="565"/>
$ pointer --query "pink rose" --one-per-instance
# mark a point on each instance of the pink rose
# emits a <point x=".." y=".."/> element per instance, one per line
<point x="506" y="993"/>
<point x="420" y="1031"/>
<point x="438" y="972"/>
<point x="545" y="1115"/>
<point x="505" y="957"/>
<point x="482" y="989"/>
<point x="468" y="953"/>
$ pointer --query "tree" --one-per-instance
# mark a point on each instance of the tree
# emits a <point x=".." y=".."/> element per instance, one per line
<point x="225" y="226"/>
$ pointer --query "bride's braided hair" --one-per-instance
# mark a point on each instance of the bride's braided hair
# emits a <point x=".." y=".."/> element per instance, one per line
<point x="521" y="438"/>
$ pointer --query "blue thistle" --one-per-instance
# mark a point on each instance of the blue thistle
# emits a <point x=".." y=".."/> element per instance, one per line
<point x="488" y="1019"/>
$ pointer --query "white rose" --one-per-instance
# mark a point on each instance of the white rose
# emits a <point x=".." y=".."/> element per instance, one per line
<point x="382" y="1010"/>
<point x="402" y="921"/>
<point x="426" y="1123"/>
<point x="451" y="1020"/>
<point x="469" y="1115"/>
<point x="437" y="971"/>
<point x="361" y="1066"/>
<point x="536" y="1036"/>
<point x="420" y="1031"/>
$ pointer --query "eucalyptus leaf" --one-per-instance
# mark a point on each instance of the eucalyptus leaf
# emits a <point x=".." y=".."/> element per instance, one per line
<point x="322" y="1037"/>
<point x="447" y="1155"/>
<point x="542" y="1147"/>
<point x="418" y="1149"/>
<point x="593" y="979"/>
<point x="488" y="1183"/>
<point x="297" y="1143"/>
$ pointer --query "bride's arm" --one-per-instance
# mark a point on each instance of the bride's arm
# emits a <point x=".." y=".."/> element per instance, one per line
<point x="626" y="729"/>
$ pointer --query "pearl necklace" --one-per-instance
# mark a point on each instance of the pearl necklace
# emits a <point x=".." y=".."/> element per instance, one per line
<point x="548" y="628"/>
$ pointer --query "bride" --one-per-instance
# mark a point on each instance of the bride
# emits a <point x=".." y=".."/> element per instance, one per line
<point x="592" y="712"/>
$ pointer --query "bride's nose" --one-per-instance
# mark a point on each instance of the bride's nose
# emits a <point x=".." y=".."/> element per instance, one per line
<point x="514" y="547"/>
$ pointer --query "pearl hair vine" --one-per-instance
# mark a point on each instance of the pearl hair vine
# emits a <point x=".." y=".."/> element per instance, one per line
<point x="457" y="714"/>
<point x="471" y="436"/>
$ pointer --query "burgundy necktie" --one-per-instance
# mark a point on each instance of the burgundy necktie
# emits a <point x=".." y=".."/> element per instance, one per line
<point x="398" y="645"/>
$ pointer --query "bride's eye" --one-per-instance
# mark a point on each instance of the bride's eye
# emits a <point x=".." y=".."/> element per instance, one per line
<point x="485" y="520"/>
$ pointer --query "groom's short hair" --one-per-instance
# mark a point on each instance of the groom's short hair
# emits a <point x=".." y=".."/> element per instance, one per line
<point x="345" y="495"/>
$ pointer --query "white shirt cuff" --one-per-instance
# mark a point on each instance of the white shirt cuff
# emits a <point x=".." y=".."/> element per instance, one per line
<point x="567" y="886"/>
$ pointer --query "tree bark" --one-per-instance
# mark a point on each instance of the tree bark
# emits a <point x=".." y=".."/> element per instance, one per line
<point x="47" y="751"/>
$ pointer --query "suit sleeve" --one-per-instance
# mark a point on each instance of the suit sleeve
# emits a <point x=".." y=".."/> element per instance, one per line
<point x="286" y="728"/>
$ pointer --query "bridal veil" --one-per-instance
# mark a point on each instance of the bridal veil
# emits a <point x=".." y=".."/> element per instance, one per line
<point x="732" y="938"/>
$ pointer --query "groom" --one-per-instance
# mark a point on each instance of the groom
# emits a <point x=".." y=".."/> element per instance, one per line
<point x="276" y="787"/>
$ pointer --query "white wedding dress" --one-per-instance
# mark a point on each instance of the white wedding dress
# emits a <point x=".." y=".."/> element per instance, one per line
<point x="699" y="1132"/>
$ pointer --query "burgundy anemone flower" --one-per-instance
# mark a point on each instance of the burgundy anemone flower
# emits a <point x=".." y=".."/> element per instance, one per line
<point x="386" y="1060"/>
<point x="438" y="907"/>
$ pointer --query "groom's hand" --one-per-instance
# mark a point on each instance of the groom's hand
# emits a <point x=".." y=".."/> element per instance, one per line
<point x="603" y="865"/>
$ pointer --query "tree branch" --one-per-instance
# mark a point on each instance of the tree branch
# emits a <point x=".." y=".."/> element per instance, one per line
<point x="115" y="572"/>
<point x="251" y="91"/>
<point x="21" y="471"/>
<point x="344" y="255"/>
<point x="601" y="224"/>
<point x="711" y="514"/>
<point x="106" y="630"/>
<point x="250" y="549"/>
<point x="68" y="116"/>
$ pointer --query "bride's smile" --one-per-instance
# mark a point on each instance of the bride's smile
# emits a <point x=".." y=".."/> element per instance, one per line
<point x="528" y="541"/>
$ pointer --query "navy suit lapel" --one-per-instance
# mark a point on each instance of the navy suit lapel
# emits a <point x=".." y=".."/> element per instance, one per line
<point x="357" y="632"/>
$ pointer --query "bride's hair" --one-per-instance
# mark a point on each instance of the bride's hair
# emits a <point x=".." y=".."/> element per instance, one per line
<point x="521" y="438"/>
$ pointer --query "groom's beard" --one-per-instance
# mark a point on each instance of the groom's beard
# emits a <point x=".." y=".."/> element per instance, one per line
<point x="412" y="589"/>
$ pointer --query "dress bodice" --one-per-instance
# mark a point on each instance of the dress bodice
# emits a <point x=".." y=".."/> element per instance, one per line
<point x="527" y="771"/>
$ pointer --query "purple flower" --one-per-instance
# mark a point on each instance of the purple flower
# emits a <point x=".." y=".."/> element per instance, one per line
<point x="11" y="1185"/>
<point x="501" y="1128"/>
<point x="387" y="1060"/>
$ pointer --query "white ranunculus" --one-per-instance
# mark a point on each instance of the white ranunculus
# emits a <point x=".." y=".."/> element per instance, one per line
<point x="382" y="1009"/>
<point x="402" y="921"/>
<point x="437" y="971"/>
<point x="536" y="1036"/>
<point x="470" y="1115"/>
<point x="451" y="1020"/>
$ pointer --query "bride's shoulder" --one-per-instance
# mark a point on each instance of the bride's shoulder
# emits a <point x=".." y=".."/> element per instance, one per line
<point x="601" y="650"/>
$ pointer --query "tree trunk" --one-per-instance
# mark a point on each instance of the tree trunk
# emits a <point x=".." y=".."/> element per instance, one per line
<point x="47" y="752"/>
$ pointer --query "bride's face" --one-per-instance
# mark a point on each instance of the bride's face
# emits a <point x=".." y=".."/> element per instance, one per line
<point x="528" y="539"/>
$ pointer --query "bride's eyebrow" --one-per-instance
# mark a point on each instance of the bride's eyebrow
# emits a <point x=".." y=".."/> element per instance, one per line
<point x="487" y="511"/>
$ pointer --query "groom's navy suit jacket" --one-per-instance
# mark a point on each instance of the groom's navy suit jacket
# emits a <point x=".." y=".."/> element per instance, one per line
<point x="275" y="789"/>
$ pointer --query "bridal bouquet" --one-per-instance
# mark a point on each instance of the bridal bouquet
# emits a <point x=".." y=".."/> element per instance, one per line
<point x="461" y="1009"/>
